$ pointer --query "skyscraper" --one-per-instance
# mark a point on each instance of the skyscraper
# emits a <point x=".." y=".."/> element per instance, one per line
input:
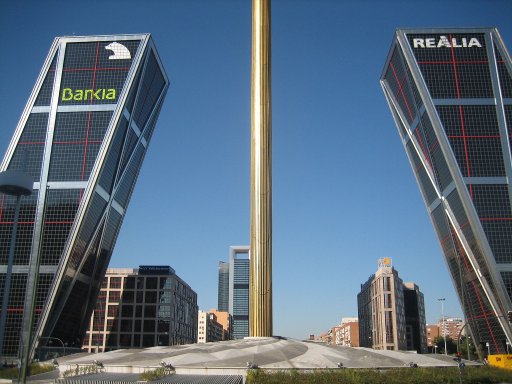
<point x="223" y="289"/>
<point x="82" y="137"/>
<point x="450" y="94"/>
<point x="237" y="289"/>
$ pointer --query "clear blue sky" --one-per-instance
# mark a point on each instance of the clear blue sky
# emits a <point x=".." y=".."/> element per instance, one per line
<point x="344" y="193"/>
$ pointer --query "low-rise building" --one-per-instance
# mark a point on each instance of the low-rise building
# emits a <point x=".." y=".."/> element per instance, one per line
<point x="432" y="334"/>
<point x="326" y="337"/>
<point x="226" y="320"/>
<point x="208" y="329"/>
<point x="347" y="333"/>
<point x="450" y="327"/>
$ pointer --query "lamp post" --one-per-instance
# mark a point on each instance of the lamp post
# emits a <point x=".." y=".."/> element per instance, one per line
<point x="442" y="300"/>
<point x="13" y="183"/>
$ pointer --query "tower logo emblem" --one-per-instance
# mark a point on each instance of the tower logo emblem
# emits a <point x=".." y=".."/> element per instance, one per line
<point x="444" y="42"/>
<point x="120" y="51"/>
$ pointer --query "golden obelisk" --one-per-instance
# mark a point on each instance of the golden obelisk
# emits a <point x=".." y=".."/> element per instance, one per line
<point x="260" y="273"/>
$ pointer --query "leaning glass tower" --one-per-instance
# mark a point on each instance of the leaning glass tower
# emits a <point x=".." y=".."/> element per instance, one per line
<point x="450" y="94"/>
<point x="82" y="137"/>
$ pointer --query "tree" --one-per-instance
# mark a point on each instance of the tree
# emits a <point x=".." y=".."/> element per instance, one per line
<point x="464" y="342"/>
<point x="451" y="345"/>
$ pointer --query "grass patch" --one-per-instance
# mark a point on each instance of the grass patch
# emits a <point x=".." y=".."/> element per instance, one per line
<point x="470" y="375"/>
<point x="35" y="369"/>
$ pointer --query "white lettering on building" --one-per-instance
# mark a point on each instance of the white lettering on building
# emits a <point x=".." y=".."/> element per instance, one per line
<point x="445" y="42"/>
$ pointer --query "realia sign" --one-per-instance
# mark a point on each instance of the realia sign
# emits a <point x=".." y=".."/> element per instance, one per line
<point x="445" y="42"/>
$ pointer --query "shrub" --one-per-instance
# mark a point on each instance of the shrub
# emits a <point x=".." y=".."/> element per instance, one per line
<point x="12" y="373"/>
<point x="153" y="374"/>
<point x="470" y="375"/>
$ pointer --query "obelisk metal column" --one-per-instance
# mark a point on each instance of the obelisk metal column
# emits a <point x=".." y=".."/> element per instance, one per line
<point x="260" y="273"/>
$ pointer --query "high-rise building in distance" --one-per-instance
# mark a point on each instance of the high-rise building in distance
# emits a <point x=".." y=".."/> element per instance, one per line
<point x="236" y="274"/>
<point x="450" y="94"/>
<point x="223" y="289"/>
<point x="82" y="137"/>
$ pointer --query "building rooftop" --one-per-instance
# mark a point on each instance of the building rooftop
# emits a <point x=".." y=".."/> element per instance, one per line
<point x="235" y="356"/>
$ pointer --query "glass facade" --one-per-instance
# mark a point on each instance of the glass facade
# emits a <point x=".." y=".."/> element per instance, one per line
<point x="82" y="137"/>
<point x="449" y="91"/>
<point x="143" y="307"/>
<point x="223" y="289"/>
<point x="234" y="289"/>
<point x="414" y="308"/>
<point x="240" y="295"/>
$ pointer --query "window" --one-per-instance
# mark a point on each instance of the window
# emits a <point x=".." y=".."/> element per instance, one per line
<point x="115" y="282"/>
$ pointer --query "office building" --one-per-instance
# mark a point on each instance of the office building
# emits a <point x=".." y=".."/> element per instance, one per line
<point x="82" y="138"/>
<point x="223" y="289"/>
<point x="450" y="94"/>
<point x="236" y="290"/>
<point x="381" y="310"/>
<point x="384" y="320"/>
<point x="208" y="328"/>
<point x="415" y="322"/>
<point x="239" y="290"/>
<point x="142" y="307"/>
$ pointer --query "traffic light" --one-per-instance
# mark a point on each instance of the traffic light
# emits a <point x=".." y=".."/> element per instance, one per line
<point x="509" y="316"/>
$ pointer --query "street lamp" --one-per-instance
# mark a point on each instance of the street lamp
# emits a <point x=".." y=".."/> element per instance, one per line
<point x="435" y="349"/>
<point x="13" y="183"/>
<point x="442" y="300"/>
<point x="488" y="348"/>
